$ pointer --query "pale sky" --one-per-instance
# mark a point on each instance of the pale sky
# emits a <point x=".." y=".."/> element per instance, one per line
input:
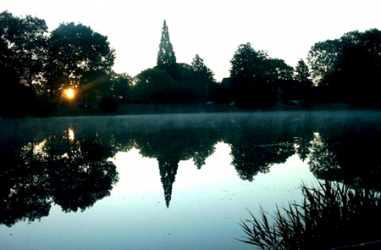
<point x="211" y="28"/>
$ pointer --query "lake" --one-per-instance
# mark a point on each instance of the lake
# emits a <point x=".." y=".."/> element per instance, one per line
<point x="170" y="181"/>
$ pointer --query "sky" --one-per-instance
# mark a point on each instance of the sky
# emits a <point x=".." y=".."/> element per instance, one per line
<point x="213" y="29"/>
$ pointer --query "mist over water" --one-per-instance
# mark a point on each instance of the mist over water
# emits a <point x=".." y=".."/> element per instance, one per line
<point x="170" y="181"/>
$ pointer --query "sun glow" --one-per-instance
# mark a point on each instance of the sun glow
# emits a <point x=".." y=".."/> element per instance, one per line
<point x="69" y="93"/>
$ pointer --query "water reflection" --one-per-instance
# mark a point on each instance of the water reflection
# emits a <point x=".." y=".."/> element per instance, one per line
<point x="352" y="156"/>
<point x="70" y="133"/>
<point x="67" y="161"/>
<point x="171" y="146"/>
<point x="53" y="168"/>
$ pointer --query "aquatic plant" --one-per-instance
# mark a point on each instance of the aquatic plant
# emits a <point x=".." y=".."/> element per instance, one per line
<point x="331" y="215"/>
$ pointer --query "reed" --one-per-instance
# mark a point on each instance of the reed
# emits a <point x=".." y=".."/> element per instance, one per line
<point x="331" y="215"/>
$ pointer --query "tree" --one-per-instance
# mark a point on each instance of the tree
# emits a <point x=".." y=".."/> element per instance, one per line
<point x="166" y="59"/>
<point x="79" y="58"/>
<point x="22" y="58"/>
<point x="251" y="66"/>
<point x="349" y="66"/>
<point x="357" y="76"/>
<point x="17" y="98"/>
<point x="203" y="75"/>
<point x="246" y="74"/>
<point x="156" y="86"/>
<point x="122" y="84"/>
<point x="322" y="59"/>
<point x="275" y="69"/>
<point x="188" y="76"/>
<point x="24" y="48"/>
<point x="247" y="64"/>
<point x="254" y="76"/>
<point x="302" y="74"/>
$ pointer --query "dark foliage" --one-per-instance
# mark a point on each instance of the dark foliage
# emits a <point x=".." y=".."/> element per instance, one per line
<point x="255" y="77"/>
<point x="166" y="59"/>
<point x="331" y="215"/>
<point x="349" y="66"/>
<point x="108" y="104"/>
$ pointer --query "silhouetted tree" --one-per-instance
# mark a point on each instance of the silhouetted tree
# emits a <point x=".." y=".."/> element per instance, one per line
<point x="122" y="84"/>
<point x="157" y="86"/>
<point x="24" y="47"/>
<point x="108" y="103"/>
<point x="275" y="69"/>
<point x="79" y="58"/>
<point x="188" y="77"/>
<point x="204" y="76"/>
<point x="18" y="98"/>
<point x="22" y="60"/>
<point x="166" y="59"/>
<point x="349" y="66"/>
<point x="255" y="77"/>
<point x="302" y="74"/>
<point x="247" y="64"/>
<point x="322" y="59"/>
<point x="246" y="74"/>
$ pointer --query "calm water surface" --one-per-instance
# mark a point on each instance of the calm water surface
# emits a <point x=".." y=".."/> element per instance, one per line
<point x="170" y="181"/>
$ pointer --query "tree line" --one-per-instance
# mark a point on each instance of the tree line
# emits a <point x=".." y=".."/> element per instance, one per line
<point x="37" y="67"/>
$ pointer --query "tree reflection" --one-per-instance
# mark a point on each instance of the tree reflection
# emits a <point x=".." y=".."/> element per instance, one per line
<point x="83" y="175"/>
<point x="257" y="147"/>
<point x="68" y="164"/>
<point x="22" y="188"/>
<point x="302" y="147"/>
<point x="168" y="169"/>
<point x="54" y="169"/>
<point x="323" y="161"/>
<point x="250" y="159"/>
<point x="170" y="146"/>
<point x="352" y="157"/>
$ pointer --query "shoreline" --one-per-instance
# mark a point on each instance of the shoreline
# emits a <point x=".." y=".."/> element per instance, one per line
<point x="168" y="109"/>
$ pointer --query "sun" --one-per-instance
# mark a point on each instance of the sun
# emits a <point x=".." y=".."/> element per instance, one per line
<point x="69" y="93"/>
